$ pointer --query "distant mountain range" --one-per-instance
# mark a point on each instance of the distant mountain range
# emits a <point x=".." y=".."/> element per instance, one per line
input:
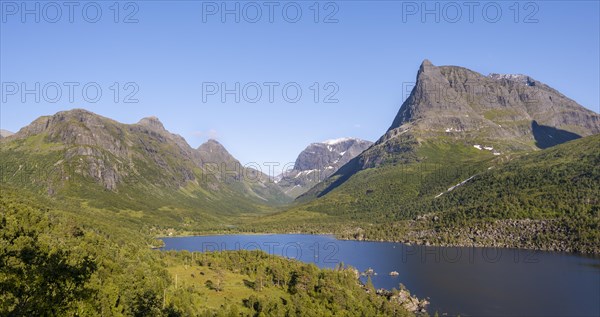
<point x="319" y="161"/>
<point x="452" y="139"/>
<point x="142" y="166"/>
<point x="80" y="154"/>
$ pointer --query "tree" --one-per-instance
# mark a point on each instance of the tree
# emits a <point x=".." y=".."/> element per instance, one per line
<point x="220" y="279"/>
<point x="370" y="285"/>
<point x="37" y="277"/>
<point x="146" y="303"/>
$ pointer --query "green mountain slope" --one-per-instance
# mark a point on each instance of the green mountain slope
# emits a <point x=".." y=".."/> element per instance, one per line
<point x="456" y="127"/>
<point x="542" y="200"/>
<point x="389" y="191"/>
<point x="141" y="169"/>
<point x="560" y="181"/>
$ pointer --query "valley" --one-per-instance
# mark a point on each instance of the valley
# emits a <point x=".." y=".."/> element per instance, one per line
<point x="299" y="159"/>
<point x="497" y="161"/>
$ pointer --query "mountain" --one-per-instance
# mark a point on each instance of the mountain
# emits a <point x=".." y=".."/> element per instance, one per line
<point x="319" y="161"/>
<point x="5" y="133"/>
<point x="452" y="110"/>
<point x="140" y="167"/>
<point x="217" y="162"/>
<point x="455" y="168"/>
<point x="213" y="151"/>
<point x="464" y="104"/>
<point x="545" y="200"/>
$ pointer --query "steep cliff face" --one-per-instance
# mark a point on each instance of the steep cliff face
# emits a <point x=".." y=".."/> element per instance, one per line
<point x="450" y="105"/>
<point x="461" y="103"/>
<point x="319" y="161"/>
<point x="504" y="112"/>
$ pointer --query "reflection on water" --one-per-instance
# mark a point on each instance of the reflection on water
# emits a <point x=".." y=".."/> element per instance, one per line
<point x="466" y="281"/>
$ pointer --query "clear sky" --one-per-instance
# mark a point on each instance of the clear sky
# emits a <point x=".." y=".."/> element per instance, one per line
<point x="176" y="54"/>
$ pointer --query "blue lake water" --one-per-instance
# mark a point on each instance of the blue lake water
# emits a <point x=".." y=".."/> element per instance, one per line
<point x="465" y="281"/>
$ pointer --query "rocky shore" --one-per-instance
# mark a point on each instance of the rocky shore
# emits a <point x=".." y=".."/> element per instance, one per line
<point x="405" y="299"/>
<point x="543" y="235"/>
<point x="402" y="296"/>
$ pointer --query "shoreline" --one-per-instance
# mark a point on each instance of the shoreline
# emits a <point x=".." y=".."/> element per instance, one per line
<point x="403" y="242"/>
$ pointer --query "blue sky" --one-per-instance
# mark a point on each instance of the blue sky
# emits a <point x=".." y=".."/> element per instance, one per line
<point x="176" y="49"/>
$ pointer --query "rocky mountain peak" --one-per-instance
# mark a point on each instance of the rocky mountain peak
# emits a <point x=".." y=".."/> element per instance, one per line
<point x="212" y="145"/>
<point x="424" y="96"/>
<point x="455" y="106"/>
<point x="212" y="151"/>
<point x="318" y="161"/>
<point x="81" y="116"/>
<point x="461" y="103"/>
<point x="76" y="126"/>
<point x="426" y="63"/>
<point x="426" y="66"/>
<point x="428" y="75"/>
<point x="152" y="122"/>
<point x="329" y="154"/>
<point x="75" y="113"/>
<point x="112" y="156"/>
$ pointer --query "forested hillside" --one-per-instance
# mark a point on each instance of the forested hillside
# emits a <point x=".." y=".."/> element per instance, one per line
<point x="542" y="200"/>
<point x="65" y="260"/>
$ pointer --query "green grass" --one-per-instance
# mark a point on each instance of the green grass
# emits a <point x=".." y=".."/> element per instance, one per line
<point x="236" y="287"/>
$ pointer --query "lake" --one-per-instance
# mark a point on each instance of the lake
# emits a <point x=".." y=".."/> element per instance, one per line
<point x="465" y="281"/>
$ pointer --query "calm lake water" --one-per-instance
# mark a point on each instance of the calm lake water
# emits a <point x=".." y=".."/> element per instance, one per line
<point x="465" y="281"/>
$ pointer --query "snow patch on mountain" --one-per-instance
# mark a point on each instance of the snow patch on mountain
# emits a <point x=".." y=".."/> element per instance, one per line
<point x="520" y="78"/>
<point x="336" y="141"/>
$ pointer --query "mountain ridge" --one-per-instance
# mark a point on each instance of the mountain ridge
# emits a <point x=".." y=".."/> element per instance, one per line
<point x="443" y="134"/>
<point x="318" y="161"/>
<point x="453" y="91"/>
<point x="140" y="166"/>
<point x="452" y="104"/>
